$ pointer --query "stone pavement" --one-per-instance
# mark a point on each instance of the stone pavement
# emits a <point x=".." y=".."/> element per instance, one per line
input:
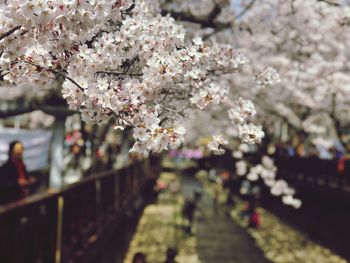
<point x="216" y="238"/>
<point x="280" y="242"/>
<point x="161" y="227"/>
<point x="219" y="239"/>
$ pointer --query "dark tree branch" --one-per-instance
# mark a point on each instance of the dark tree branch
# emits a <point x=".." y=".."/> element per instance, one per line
<point x="214" y="13"/>
<point x="118" y="73"/>
<point x="129" y="63"/>
<point x="330" y="2"/>
<point x="125" y="120"/>
<point x="71" y="80"/>
<point x="11" y="31"/>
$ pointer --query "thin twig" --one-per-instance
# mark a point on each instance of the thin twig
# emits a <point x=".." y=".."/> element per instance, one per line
<point x="71" y="80"/>
<point x="246" y="9"/>
<point x="62" y="74"/>
<point x="330" y="2"/>
<point x="128" y="122"/>
<point x="168" y="109"/>
<point x="118" y="73"/>
<point x="130" y="63"/>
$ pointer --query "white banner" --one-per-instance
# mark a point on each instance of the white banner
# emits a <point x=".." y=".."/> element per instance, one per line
<point x="36" y="146"/>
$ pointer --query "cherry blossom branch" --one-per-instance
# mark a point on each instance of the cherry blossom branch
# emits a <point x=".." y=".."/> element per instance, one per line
<point x="168" y="109"/>
<point x="214" y="13"/>
<point x="11" y="31"/>
<point x="71" y="80"/>
<point x="180" y="112"/>
<point x="125" y="120"/>
<point x="129" y="62"/>
<point x="172" y="111"/>
<point x="62" y="74"/>
<point x="118" y="73"/>
<point x="330" y="2"/>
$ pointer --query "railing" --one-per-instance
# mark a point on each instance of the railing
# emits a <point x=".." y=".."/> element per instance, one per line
<point x="315" y="171"/>
<point x="312" y="171"/>
<point x="67" y="226"/>
<point x="324" y="191"/>
<point x="322" y="185"/>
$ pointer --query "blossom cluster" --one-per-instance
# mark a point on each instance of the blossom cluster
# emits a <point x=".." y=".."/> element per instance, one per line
<point x="267" y="77"/>
<point x="267" y="172"/>
<point x="140" y="72"/>
<point x="123" y="60"/>
<point x="242" y="111"/>
<point x="305" y="42"/>
<point x="47" y="34"/>
<point x="217" y="145"/>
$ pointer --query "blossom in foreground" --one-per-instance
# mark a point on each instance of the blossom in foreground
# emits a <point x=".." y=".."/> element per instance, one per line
<point x="249" y="133"/>
<point x="217" y="145"/>
<point x="267" y="172"/>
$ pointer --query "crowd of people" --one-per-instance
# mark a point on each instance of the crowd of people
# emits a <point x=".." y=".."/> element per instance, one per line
<point x="325" y="150"/>
<point x="319" y="149"/>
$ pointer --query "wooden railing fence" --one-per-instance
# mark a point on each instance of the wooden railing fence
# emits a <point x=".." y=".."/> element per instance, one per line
<point x="69" y="225"/>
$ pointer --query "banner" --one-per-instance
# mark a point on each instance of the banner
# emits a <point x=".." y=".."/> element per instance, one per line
<point x="36" y="146"/>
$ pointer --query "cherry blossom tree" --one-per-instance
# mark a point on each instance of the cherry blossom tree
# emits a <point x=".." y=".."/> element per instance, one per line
<point x="306" y="42"/>
<point x="128" y="61"/>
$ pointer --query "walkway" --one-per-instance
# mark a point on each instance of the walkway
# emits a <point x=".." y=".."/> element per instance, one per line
<point x="216" y="239"/>
<point x="280" y="242"/>
<point x="219" y="239"/>
<point x="285" y="244"/>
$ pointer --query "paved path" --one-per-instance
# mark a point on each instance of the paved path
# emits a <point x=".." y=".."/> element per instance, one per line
<point x="219" y="239"/>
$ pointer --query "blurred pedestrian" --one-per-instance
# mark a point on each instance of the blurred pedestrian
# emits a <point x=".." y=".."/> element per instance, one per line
<point x="300" y="150"/>
<point x="76" y="164"/>
<point x="13" y="175"/>
<point x="188" y="212"/>
<point x="139" y="258"/>
<point x="170" y="255"/>
<point x="245" y="213"/>
<point x="254" y="219"/>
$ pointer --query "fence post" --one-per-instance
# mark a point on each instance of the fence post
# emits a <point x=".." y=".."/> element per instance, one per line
<point x="60" y="206"/>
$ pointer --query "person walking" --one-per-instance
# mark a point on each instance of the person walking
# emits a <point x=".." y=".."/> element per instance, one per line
<point x="188" y="212"/>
